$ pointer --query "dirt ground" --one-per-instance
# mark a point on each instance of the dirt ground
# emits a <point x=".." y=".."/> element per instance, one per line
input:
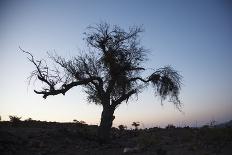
<point x="50" y="138"/>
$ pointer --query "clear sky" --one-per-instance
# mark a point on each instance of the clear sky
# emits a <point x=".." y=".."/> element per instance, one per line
<point x="195" y="37"/>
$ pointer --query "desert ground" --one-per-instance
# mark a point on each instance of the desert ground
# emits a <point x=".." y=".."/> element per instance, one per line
<point x="52" y="138"/>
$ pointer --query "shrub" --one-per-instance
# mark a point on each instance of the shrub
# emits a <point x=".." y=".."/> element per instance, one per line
<point x="29" y="120"/>
<point x="136" y="125"/>
<point x="205" y="127"/>
<point x="187" y="127"/>
<point x="170" y="126"/>
<point x="122" y="127"/>
<point x="79" y="122"/>
<point x="15" y="119"/>
<point x="82" y="122"/>
<point x="75" y="121"/>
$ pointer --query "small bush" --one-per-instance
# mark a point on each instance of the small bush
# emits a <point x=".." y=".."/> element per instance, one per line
<point x="187" y="127"/>
<point x="136" y="125"/>
<point x="79" y="122"/>
<point x="75" y="121"/>
<point x="122" y="127"/>
<point x="29" y="120"/>
<point x="15" y="119"/>
<point x="170" y="126"/>
<point x="82" y="122"/>
<point x="205" y="127"/>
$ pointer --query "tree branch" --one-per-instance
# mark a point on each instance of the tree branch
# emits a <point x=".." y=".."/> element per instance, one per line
<point x="139" y="78"/>
<point x="125" y="96"/>
<point x="64" y="88"/>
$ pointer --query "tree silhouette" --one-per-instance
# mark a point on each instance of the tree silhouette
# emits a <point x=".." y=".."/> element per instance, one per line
<point x="136" y="125"/>
<point x="110" y="72"/>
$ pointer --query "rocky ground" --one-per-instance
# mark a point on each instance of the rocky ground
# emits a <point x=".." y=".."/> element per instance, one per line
<point x="50" y="138"/>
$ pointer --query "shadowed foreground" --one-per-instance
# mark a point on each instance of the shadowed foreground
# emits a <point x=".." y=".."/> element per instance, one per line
<point x="50" y="138"/>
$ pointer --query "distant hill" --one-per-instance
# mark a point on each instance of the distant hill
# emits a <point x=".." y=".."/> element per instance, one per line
<point x="226" y="124"/>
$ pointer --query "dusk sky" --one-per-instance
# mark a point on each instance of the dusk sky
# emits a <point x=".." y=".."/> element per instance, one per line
<point x="195" y="37"/>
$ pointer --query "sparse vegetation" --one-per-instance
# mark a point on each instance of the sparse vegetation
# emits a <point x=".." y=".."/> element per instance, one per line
<point x="170" y="126"/>
<point x="79" y="122"/>
<point x="15" y="119"/>
<point x="29" y="119"/>
<point x="82" y="122"/>
<point x="136" y="125"/>
<point x="41" y="137"/>
<point x="122" y="127"/>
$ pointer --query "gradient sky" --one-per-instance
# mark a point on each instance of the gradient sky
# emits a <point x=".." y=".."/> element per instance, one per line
<point x="195" y="37"/>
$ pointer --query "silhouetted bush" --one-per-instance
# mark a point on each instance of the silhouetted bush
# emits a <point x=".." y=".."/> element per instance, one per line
<point x="75" y="121"/>
<point x="170" y="126"/>
<point x="28" y="120"/>
<point x="79" y="122"/>
<point x="136" y="125"/>
<point x="205" y="127"/>
<point x="122" y="127"/>
<point x="82" y="122"/>
<point x="15" y="119"/>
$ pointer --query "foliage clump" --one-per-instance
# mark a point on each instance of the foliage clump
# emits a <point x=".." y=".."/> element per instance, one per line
<point x="136" y="125"/>
<point x="122" y="127"/>
<point x="15" y="119"/>
<point x="29" y="120"/>
<point x="170" y="126"/>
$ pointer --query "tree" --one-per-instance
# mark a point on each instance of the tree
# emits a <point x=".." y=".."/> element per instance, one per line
<point x="110" y="72"/>
<point x="136" y="125"/>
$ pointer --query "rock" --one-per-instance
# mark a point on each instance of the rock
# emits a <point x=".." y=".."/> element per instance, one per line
<point x="131" y="149"/>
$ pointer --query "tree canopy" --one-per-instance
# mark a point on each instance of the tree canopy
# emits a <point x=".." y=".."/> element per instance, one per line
<point x="113" y="65"/>
<point x="110" y="71"/>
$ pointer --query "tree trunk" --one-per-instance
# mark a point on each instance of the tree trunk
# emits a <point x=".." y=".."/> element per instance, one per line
<point x="107" y="118"/>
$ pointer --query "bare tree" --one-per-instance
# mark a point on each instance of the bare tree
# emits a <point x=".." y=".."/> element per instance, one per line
<point x="110" y="72"/>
